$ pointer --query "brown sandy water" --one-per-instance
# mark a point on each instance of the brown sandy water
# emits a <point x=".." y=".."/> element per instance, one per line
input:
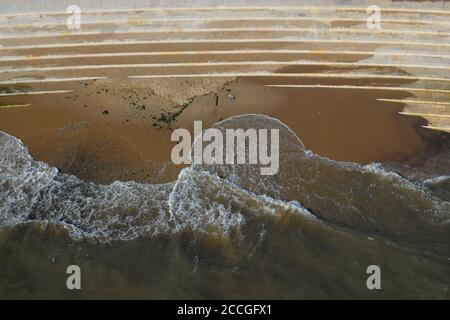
<point x="140" y="227"/>
<point x="280" y="256"/>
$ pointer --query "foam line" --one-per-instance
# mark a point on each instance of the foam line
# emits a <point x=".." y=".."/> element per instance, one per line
<point x="424" y="115"/>
<point x="446" y="129"/>
<point x="218" y="52"/>
<point x="225" y="19"/>
<point x="436" y="103"/>
<point x="294" y="75"/>
<point x="33" y="93"/>
<point x="240" y="63"/>
<point x="231" y="8"/>
<point x="314" y="86"/>
<point x="227" y="41"/>
<point x="50" y="80"/>
<point x="14" y="106"/>
<point x="228" y="30"/>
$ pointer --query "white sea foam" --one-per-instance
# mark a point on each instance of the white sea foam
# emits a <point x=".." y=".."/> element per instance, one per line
<point x="219" y="200"/>
<point x="435" y="180"/>
<point x="198" y="201"/>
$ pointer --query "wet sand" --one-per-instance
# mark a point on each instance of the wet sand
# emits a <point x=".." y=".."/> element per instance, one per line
<point x="119" y="128"/>
<point x="107" y="130"/>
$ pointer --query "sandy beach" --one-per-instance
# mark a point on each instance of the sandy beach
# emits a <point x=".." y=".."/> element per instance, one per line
<point x="106" y="130"/>
<point x="113" y="127"/>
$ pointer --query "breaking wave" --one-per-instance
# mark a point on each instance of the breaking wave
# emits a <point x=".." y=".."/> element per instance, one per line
<point x="224" y="200"/>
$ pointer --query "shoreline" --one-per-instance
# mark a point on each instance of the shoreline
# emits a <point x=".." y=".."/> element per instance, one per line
<point x="121" y="131"/>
